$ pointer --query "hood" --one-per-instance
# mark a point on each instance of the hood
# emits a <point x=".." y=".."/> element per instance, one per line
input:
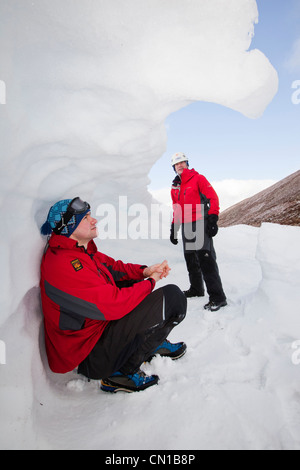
<point x="186" y="175"/>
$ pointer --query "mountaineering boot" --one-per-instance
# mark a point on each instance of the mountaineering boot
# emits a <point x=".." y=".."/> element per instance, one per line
<point x="119" y="382"/>
<point x="167" y="349"/>
<point x="214" y="306"/>
<point x="193" y="293"/>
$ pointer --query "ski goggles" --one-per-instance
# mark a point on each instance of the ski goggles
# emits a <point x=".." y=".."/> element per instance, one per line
<point x="78" y="206"/>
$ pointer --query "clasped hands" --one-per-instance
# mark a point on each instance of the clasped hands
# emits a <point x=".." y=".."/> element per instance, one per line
<point x="157" y="271"/>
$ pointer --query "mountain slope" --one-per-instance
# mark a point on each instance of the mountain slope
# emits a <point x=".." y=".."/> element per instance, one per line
<point x="279" y="204"/>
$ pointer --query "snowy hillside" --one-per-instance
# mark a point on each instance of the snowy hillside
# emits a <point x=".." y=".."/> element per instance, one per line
<point x="278" y="204"/>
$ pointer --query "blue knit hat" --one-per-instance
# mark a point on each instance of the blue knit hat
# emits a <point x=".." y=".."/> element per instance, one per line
<point x="55" y="215"/>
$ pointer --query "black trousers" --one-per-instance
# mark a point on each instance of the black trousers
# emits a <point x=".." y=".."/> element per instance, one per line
<point x="126" y="343"/>
<point x="201" y="261"/>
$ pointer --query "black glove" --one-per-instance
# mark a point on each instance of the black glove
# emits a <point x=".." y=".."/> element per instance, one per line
<point x="212" y="226"/>
<point x="173" y="235"/>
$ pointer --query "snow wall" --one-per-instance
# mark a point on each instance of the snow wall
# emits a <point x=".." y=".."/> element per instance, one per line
<point x="88" y="86"/>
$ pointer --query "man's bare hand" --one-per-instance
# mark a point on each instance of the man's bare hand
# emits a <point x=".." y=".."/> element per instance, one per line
<point x="157" y="271"/>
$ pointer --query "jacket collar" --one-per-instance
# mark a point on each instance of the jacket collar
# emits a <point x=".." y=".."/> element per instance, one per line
<point x="186" y="175"/>
<point x="176" y="181"/>
<point x="60" y="241"/>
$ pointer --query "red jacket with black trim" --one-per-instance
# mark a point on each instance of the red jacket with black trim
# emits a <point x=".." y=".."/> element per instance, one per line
<point x="190" y="191"/>
<point x="79" y="297"/>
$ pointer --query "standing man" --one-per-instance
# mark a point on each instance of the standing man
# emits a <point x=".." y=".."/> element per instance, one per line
<point x="196" y="209"/>
<point x="90" y="321"/>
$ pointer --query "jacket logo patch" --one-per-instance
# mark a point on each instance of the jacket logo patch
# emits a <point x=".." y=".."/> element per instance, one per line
<point x="76" y="264"/>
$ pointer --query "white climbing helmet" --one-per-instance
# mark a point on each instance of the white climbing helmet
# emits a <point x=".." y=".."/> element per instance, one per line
<point x="178" y="157"/>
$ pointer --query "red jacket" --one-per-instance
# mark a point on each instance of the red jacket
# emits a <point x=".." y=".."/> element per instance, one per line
<point x="188" y="193"/>
<point x="79" y="297"/>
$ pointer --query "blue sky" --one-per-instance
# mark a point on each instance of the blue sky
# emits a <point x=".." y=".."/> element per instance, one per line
<point x="233" y="146"/>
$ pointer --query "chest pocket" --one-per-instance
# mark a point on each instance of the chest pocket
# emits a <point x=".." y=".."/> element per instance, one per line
<point x="191" y="195"/>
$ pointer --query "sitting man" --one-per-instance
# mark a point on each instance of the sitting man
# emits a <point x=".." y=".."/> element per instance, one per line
<point x="91" y="321"/>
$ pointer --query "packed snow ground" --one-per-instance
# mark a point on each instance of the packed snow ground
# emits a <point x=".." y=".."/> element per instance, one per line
<point x="237" y="387"/>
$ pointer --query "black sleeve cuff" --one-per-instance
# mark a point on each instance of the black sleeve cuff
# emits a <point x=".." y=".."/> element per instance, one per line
<point x="152" y="282"/>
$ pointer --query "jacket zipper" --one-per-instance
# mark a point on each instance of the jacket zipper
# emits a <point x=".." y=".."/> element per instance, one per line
<point x="99" y="268"/>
